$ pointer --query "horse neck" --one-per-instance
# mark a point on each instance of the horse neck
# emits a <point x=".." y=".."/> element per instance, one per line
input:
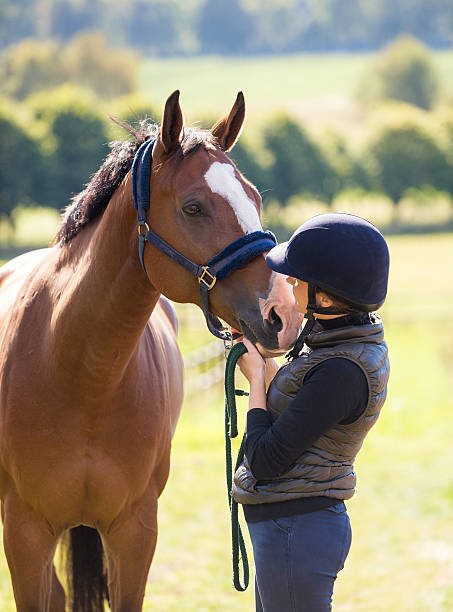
<point x="107" y="298"/>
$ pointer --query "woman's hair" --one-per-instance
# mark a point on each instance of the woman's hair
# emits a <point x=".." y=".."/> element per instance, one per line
<point x="336" y="301"/>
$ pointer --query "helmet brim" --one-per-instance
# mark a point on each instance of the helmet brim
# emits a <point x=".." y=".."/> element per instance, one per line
<point x="277" y="260"/>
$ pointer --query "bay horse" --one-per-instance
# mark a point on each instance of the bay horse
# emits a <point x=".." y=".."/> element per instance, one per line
<point x="91" y="377"/>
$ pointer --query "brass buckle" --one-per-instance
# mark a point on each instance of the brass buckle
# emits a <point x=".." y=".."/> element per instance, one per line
<point x="210" y="281"/>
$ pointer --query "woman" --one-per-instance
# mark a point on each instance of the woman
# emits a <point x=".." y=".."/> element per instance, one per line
<point x="303" y="434"/>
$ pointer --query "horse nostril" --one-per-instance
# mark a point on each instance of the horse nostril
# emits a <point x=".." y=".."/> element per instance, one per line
<point x="274" y="320"/>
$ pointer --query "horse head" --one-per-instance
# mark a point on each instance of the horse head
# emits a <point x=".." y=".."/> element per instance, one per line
<point x="201" y="209"/>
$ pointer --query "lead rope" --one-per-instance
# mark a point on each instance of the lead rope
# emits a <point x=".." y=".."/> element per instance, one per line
<point x="239" y="552"/>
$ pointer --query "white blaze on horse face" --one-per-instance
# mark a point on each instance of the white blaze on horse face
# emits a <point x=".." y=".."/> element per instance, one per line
<point x="221" y="180"/>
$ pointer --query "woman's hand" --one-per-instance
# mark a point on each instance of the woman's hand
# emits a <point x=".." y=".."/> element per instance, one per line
<point x="251" y="364"/>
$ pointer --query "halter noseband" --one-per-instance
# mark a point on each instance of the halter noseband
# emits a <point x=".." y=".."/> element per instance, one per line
<point x="229" y="259"/>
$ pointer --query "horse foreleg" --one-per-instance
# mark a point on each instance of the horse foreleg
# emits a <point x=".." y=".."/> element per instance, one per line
<point x="129" y="548"/>
<point x="57" y="596"/>
<point x="30" y="547"/>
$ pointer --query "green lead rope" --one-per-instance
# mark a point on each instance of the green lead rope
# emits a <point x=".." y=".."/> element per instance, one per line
<point x="239" y="551"/>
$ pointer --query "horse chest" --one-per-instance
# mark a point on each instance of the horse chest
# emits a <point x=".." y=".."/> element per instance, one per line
<point x="99" y="455"/>
<point x="86" y="477"/>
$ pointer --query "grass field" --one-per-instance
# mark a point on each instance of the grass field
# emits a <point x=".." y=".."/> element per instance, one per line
<point x="311" y="86"/>
<point x="402" y="513"/>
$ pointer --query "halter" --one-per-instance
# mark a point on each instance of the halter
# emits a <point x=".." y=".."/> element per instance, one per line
<point x="233" y="256"/>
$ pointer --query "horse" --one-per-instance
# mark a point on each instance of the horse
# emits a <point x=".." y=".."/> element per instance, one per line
<point x="91" y="376"/>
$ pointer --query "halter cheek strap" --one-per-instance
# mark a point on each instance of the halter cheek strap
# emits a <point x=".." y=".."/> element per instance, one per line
<point x="229" y="259"/>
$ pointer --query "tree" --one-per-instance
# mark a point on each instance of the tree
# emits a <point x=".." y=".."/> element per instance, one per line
<point x="17" y="21"/>
<point x="404" y="71"/>
<point x="91" y="62"/>
<point x="68" y="18"/>
<point x="299" y="164"/>
<point x="248" y="164"/>
<point x="223" y="27"/>
<point x="88" y="60"/>
<point x="30" y="66"/>
<point x="404" y="155"/>
<point x="278" y="25"/>
<point x="20" y="163"/>
<point x="154" y="26"/>
<point x="133" y="108"/>
<point x="79" y="136"/>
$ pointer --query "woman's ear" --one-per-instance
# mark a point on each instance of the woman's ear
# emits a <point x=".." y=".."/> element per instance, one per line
<point x="322" y="299"/>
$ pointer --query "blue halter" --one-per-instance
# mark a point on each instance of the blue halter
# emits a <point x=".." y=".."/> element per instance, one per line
<point x="229" y="259"/>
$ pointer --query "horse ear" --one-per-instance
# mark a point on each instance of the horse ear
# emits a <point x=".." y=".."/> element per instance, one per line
<point x="172" y="123"/>
<point x="227" y="130"/>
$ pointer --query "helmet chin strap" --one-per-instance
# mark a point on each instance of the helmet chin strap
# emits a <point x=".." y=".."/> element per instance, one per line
<point x="310" y="320"/>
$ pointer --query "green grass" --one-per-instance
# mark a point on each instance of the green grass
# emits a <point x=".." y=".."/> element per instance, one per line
<point x="321" y="85"/>
<point x="402" y="514"/>
<point x="268" y="81"/>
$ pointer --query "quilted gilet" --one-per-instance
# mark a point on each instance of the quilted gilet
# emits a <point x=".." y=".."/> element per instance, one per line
<point x="327" y="467"/>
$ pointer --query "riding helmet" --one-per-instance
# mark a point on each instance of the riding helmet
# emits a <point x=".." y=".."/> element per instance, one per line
<point x="339" y="253"/>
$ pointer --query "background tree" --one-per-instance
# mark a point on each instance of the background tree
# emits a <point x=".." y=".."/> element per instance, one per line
<point x="79" y="135"/>
<point x="155" y="26"/>
<point x="351" y="173"/>
<point x="68" y="18"/>
<point x="166" y="27"/>
<point x="223" y="27"/>
<point x="299" y="164"/>
<point x="404" y="71"/>
<point x="20" y="163"/>
<point x="91" y="62"/>
<point x="251" y="167"/>
<point x="17" y="21"/>
<point x="132" y="108"/>
<point x="30" y="66"/>
<point x="88" y="60"/>
<point x="277" y="26"/>
<point x="405" y="154"/>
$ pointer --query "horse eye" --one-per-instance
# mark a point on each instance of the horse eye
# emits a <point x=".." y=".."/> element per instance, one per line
<point x="193" y="209"/>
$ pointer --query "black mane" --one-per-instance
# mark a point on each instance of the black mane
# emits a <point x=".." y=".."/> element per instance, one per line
<point x="93" y="200"/>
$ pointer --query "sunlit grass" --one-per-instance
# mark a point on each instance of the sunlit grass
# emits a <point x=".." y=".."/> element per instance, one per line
<point x="318" y="84"/>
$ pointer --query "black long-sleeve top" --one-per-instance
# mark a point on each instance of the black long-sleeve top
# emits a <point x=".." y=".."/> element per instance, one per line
<point x="335" y="391"/>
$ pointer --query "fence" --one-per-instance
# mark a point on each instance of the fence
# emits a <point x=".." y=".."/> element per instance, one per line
<point x="204" y="367"/>
<point x="204" y="357"/>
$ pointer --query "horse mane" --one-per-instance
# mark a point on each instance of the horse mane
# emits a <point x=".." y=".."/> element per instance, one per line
<point x="93" y="200"/>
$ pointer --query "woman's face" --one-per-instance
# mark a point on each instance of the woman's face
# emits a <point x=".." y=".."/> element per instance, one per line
<point x="300" y="292"/>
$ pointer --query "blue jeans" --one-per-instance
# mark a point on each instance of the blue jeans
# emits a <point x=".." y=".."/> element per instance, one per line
<point x="297" y="559"/>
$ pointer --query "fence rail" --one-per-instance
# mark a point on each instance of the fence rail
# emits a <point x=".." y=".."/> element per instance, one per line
<point x="204" y="367"/>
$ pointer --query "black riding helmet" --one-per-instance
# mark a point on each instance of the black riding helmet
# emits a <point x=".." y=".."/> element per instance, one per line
<point x="342" y="254"/>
